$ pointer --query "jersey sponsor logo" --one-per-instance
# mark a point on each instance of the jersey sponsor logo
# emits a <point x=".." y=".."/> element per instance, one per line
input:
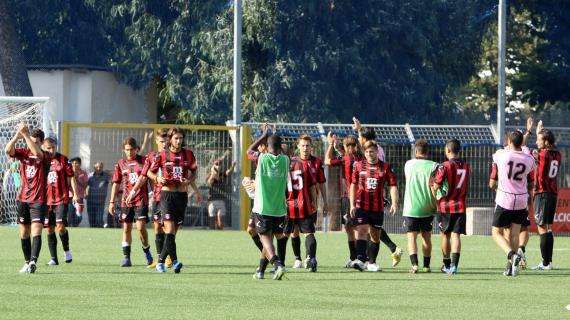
<point x="371" y="183"/>
<point x="52" y="177"/>
<point x="177" y="172"/>
<point x="30" y="172"/>
<point x="133" y="177"/>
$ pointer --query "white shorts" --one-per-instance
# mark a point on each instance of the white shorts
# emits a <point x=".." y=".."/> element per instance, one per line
<point x="216" y="206"/>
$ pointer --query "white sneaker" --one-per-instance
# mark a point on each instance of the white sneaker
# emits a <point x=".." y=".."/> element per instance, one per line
<point x="349" y="264"/>
<point x="515" y="260"/>
<point x="306" y="263"/>
<point x="52" y="262"/>
<point x="522" y="263"/>
<point x="32" y="266"/>
<point x="396" y="256"/>
<point x="373" y="267"/>
<point x="68" y="257"/>
<point x="298" y="264"/>
<point x="358" y="265"/>
<point x="25" y="269"/>
<point x="543" y="267"/>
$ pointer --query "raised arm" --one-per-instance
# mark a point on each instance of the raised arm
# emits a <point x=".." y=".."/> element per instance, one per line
<point x="34" y="148"/>
<point x="231" y="168"/>
<point x="528" y="132"/>
<point x="10" y="148"/>
<point x="263" y="137"/>
<point x="329" y="154"/>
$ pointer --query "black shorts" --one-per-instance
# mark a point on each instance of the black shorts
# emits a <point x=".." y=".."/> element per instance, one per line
<point x="156" y="215"/>
<point x="266" y="224"/>
<point x="345" y="217"/>
<point x="526" y="222"/>
<point x="29" y="213"/>
<point x="503" y="218"/>
<point x="252" y="220"/>
<point x="173" y="206"/>
<point x="306" y="225"/>
<point x="56" y="215"/>
<point x="130" y="214"/>
<point x="374" y="219"/>
<point x="413" y="224"/>
<point x="544" y="208"/>
<point x="452" y="222"/>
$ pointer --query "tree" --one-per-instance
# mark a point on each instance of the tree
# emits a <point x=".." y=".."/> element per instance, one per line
<point x="12" y="66"/>
<point x="538" y="73"/>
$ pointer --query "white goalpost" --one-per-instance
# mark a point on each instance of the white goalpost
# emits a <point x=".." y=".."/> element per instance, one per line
<point x="13" y="110"/>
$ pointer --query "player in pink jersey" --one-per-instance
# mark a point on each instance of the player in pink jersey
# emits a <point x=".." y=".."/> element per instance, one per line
<point x="510" y="181"/>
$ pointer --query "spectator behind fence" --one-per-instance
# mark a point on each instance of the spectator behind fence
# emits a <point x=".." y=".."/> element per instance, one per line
<point x="219" y="183"/>
<point x="98" y="184"/>
<point x="78" y="205"/>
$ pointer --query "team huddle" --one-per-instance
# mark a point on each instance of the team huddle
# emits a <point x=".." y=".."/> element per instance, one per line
<point x="285" y="192"/>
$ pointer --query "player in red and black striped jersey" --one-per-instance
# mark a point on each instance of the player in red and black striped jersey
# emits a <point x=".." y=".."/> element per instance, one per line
<point x="127" y="172"/>
<point x="548" y="160"/>
<point x="301" y="199"/>
<point x="452" y="181"/>
<point x="32" y="195"/>
<point x="179" y="169"/>
<point x="364" y="135"/>
<point x="318" y="173"/>
<point x="59" y="185"/>
<point x="161" y="137"/>
<point x="345" y="160"/>
<point x="367" y="204"/>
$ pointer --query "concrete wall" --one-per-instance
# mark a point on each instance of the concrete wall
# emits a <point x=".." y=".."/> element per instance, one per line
<point x="82" y="95"/>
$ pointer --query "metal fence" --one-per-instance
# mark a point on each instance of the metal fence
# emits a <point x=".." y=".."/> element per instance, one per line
<point x="103" y="142"/>
<point x="478" y="146"/>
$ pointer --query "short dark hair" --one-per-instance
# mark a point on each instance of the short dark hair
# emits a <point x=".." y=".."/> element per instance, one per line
<point x="75" y="159"/>
<point x="422" y="146"/>
<point x="38" y="133"/>
<point x="548" y="136"/>
<point x="453" y="145"/>
<point x="306" y="138"/>
<point x="368" y="133"/>
<point x="131" y="142"/>
<point x="516" y="138"/>
<point x="50" y="140"/>
<point x="274" y="142"/>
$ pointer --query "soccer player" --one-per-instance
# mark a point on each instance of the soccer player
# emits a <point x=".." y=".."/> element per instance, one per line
<point x="31" y="196"/>
<point x="271" y="178"/>
<point x="127" y="172"/>
<point x="179" y="170"/>
<point x="59" y="182"/>
<point x="346" y="159"/>
<point x="510" y="181"/>
<point x="419" y="204"/>
<point x="253" y="155"/>
<point x="161" y="137"/>
<point x="367" y="204"/>
<point x="548" y="160"/>
<point x="364" y="135"/>
<point x="301" y="197"/>
<point x="450" y="189"/>
<point x="318" y="173"/>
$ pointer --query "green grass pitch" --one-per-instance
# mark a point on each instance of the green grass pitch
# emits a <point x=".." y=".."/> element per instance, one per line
<point x="216" y="283"/>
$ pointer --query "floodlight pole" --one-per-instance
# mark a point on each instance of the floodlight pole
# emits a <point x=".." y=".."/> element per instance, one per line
<point x="502" y="30"/>
<point x="236" y="206"/>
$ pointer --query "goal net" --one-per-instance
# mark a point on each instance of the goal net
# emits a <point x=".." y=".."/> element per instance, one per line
<point x="13" y="110"/>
